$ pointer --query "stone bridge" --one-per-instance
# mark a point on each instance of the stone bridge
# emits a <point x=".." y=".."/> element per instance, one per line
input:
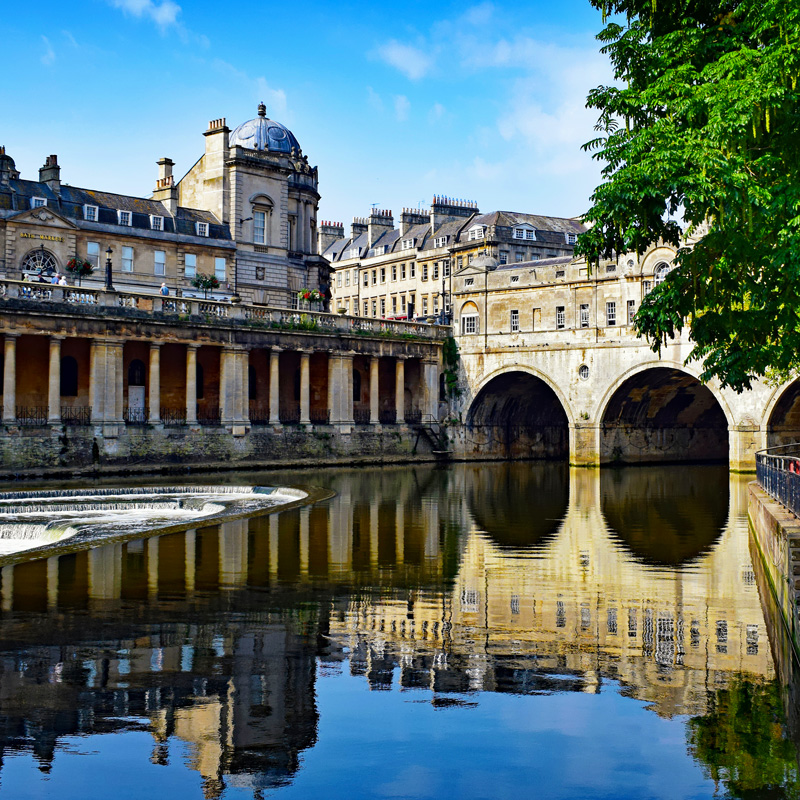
<point x="600" y="400"/>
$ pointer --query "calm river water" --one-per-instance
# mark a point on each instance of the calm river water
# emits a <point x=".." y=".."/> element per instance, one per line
<point x="479" y="631"/>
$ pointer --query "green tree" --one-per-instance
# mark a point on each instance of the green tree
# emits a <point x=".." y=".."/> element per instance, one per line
<point x="206" y="283"/>
<point x="704" y="123"/>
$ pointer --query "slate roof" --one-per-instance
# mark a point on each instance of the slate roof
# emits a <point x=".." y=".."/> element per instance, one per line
<point x="558" y="261"/>
<point x="71" y="200"/>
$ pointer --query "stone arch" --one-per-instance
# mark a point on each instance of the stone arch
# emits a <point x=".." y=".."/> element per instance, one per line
<point x="40" y="260"/>
<point x="519" y="412"/>
<point x="660" y="411"/>
<point x="781" y="419"/>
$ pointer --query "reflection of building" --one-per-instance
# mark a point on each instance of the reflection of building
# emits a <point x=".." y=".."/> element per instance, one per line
<point x="245" y="212"/>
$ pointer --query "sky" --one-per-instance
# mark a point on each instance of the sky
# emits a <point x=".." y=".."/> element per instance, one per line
<point x="394" y="102"/>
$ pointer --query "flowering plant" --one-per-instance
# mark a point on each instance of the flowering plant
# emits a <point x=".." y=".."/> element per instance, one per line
<point x="206" y="283"/>
<point x="311" y="295"/>
<point x="79" y="268"/>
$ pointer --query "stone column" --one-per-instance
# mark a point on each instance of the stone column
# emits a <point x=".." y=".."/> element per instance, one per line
<point x="119" y="381"/>
<point x="191" y="384"/>
<point x="275" y="386"/>
<point x="54" y="382"/>
<point x="334" y="388"/>
<point x="430" y="377"/>
<point x="400" y="389"/>
<point x="10" y="378"/>
<point x="374" y="399"/>
<point x="97" y="380"/>
<point x="226" y="390"/>
<point x="305" y="388"/>
<point x="243" y="385"/>
<point x="347" y="388"/>
<point x="155" y="384"/>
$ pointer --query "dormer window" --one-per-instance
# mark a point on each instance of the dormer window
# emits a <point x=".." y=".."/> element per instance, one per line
<point x="440" y="241"/>
<point x="525" y="232"/>
<point x="38" y="202"/>
<point x="124" y="218"/>
<point x="408" y="244"/>
<point x="90" y="213"/>
<point x="477" y="232"/>
<point x="354" y="251"/>
<point x="156" y="223"/>
<point x="572" y="238"/>
<point x="202" y="228"/>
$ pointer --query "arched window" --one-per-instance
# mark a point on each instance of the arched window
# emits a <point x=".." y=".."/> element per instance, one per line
<point x="69" y="377"/>
<point x="469" y="319"/>
<point x="661" y="271"/>
<point x="200" y="383"/>
<point x="136" y="373"/>
<point x="40" y="261"/>
<point x="356" y="385"/>
<point x="251" y="382"/>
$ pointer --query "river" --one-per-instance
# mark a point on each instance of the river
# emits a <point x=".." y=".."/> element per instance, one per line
<point x="472" y="631"/>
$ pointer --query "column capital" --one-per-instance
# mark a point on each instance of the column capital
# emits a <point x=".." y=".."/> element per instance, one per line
<point x="57" y="337"/>
<point x="11" y="335"/>
<point x="155" y="345"/>
<point x="275" y="349"/>
<point x="192" y="346"/>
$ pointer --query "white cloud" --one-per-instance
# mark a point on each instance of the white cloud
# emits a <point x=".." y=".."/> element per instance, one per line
<point x="437" y="113"/>
<point x="401" y="107"/>
<point x="164" y="13"/>
<point x="412" y="61"/>
<point x="259" y="89"/>
<point x="49" y="55"/>
<point x="479" y="15"/>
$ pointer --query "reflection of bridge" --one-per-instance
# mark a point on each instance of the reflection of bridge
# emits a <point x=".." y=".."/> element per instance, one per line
<point x="584" y="388"/>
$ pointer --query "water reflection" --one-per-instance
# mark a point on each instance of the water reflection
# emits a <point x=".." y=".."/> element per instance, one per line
<point x="458" y="585"/>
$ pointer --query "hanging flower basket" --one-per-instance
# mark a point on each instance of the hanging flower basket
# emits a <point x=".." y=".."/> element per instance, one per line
<point x="309" y="295"/>
<point x="79" y="268"/>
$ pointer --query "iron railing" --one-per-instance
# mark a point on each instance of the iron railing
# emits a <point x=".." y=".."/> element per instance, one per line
<point x="387" y="416"/>
<point x="173" y="416"/>
<point x="259" y="414"/>
<point x="320" y="416"/>
<point x="209" y="416"/>
<point x="31" y="415"/>
<point x="76" y="415"/>
<point x="778" y="474"/>
<point x="414" y="416"/>
<point x="289" y="414"/>
<point x="361" y="416"/>
<point x="135" y="416"/>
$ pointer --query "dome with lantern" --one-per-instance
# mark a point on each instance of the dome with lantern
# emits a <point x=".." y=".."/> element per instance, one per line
<point x="263" y="134"/>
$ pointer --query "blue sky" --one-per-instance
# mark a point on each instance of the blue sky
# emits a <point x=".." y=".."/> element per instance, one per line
<point x="394" y="102"/>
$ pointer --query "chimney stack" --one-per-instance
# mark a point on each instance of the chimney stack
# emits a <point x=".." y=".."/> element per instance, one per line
<point x="380" y="222"/>
<point x="166" y="191"/>
<point x="50" y="173"/>
<point x="411" y="217"/>
<point x="327" y="234"/>
<point x="447" y="209"/>
<point x="8" y="170"/>
<point x="360" y="225"/>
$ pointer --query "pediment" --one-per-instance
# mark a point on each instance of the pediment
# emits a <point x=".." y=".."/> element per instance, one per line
<point x="44" y="216"/>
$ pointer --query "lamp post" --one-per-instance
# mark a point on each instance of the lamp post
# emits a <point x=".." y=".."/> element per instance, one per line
<point x="109" y="284"/>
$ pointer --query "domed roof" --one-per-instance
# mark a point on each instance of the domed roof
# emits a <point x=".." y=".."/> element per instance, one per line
<point x="263" y="133"/>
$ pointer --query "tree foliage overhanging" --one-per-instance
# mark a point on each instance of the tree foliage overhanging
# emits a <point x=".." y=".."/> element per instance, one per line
<point x="704" y="123"/>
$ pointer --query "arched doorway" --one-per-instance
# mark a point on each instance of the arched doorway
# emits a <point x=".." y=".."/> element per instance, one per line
<point x="517" y="415"/>
<point x="783" y="426"/>
<point x="663" y="415"/>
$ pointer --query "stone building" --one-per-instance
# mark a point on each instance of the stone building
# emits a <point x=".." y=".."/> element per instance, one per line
<point x="244" y="212"/>
<point x="388" y="272"/>
<point x="551" y="366"/>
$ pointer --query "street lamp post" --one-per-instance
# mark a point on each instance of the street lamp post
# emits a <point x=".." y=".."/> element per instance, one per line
<point x="109" y="283"/>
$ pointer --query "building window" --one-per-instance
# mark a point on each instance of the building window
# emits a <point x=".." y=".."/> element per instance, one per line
<point x="436" y="271"/>
<point x="69" y="377"/>
<point x="425" y="306"/>
<point x="646" y="286"/>
<point x="412" y="269"/>
<point x="383" y="274"/>
<point x="157" y="223"/>
<point x="202" y="228"/>
<point x="407" y="244"/>
<point x="519" y="233"/>
<point x="424" y="272"/>
<point x="504" y="256"/>
<point x="403" y="303"/>
<point x="469" y="281"/>
<point x="355" y="277"/>
<point x="584" y="315"/>
<point x="366" y="278"/>
<point x="446" y="268"/>
<point x="611" y="313"/>
<point x="339" y="280"/>
<point x="159" y="262"/>
<point x="219" y="269"/>
<point x="661" y="272"/>
<point x="436" y="304"/>
<point x="366" y="308"/>
<point x="394" y="305"/>
<point x="125" y="218"/>
<point x="346" y="277"/>
<point x="354" y="252"/>
<point x="374" y="308"/>
<point x="440" y="241"/>
<point x="631" y="311"/>
<point x="402" y="272"/>
<point x="459" y="262"/>
<point x="519" y="257"/>
<point x="90" y="213"/>
<point x="38" y="202"/>
<point x="515" y="321"/>
<point x="383" y="306"/>
<point x="260" y="227"/>
<point x="530" y="235"/>
<point x="190" y="260"/>
<point x="561" y="318"/>
<point x="93" y="253"/>
<point x="127" y="259"/>
<point x="583" y="372"/>
<point x="394" y="272"/>
<point x="374" y="277"/>
<point x="469" y="324"/>
<point x="572" y="238"/>
<point x="469" y="258"/>
<point x="477" y="232"/>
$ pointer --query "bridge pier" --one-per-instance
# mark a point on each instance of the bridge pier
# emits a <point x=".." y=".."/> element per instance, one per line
<point x="743" y="442"/>
<point x="584" y="444"/>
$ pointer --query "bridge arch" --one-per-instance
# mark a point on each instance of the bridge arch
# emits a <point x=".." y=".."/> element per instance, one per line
<point x="519" y="412"/>
<point x="660" y="411"/>
<point x="781" y="419"/>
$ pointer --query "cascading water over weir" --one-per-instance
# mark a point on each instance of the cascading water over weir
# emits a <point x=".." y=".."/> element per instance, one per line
<point x="40" y="519"/>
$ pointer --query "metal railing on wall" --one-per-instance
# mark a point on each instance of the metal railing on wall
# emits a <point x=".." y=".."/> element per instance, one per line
<point x="778" y="474"/>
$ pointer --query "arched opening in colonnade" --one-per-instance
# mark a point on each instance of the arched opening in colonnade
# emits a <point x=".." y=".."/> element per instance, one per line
<point x="783" y="426"/>
<point x="663" y="415"/>
<point x="517" y="415"/>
